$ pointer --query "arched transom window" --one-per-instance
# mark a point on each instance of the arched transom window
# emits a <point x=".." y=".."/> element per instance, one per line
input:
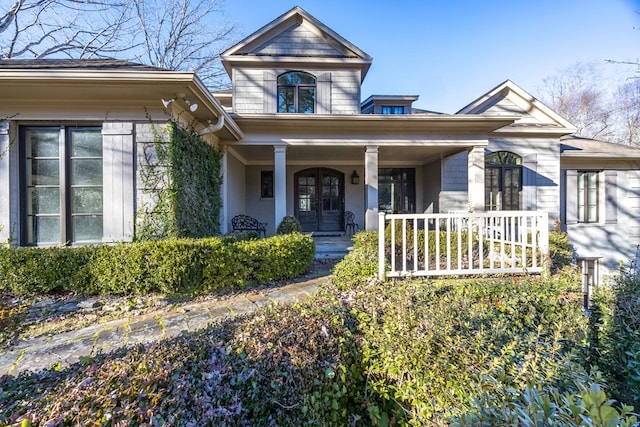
<point x="296" y="93"/>
<point x="503" y="181"/>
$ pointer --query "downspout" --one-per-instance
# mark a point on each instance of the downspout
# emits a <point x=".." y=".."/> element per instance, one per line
<point x="213" y="128"/>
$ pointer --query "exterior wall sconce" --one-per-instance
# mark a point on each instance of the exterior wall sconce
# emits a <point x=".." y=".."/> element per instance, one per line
<point x="355" y="178"/>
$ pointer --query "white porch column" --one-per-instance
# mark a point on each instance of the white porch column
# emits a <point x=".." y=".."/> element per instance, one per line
<point x="475" y="161"/>
<point x="371" y="188"/>
<point x="279" y="183"/>
<point x="5" y="184"/>
<point x="224" y="214"/>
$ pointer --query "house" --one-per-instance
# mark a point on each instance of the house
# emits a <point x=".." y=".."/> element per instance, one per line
<point x="297" y="140"/>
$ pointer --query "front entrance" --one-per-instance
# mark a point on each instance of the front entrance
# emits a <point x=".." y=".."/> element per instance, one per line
<point x="319" y="199"/>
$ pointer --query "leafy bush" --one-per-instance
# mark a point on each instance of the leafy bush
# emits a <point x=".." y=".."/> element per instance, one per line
<point x="615" y="336"/>
<point x="30" y="271"/>
<point x="416" y="353"/>
<point x="359" y="265"/>
<point x="167" y="266"/>
<point x="560" y="250"/>
<point x="289" y="224"/>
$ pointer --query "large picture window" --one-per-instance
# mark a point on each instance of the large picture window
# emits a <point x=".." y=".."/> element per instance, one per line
<point x="503" y="181"/>
<point x="61" y="177"/>
<point x="296" y="93"/>
<point x="397" y="190"/>
<point x="587" y="196"/>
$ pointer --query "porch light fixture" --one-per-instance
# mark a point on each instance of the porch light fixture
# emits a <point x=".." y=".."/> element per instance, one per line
<point x="192" y="107"/>
<point x="167" y="101"/>
<point x="355" y="178"/>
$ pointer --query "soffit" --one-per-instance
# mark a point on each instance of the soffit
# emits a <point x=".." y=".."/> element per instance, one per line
<point x="372" y="126"/>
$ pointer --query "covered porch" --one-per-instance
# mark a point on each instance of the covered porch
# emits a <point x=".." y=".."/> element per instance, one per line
<point x="318" y="168"/>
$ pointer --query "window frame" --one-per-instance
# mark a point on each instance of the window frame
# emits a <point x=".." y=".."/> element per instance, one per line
<point x="392" y="109"/>
<point x="405" y="178"/>
<point x="584" y="196"/>
<point x="297" y="88"/>
<point x="65" y="184"/>
<point x="505" y="162"/>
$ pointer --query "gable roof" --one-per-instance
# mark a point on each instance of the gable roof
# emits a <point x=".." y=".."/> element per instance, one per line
<point x="295" y="35"/>
<point x="578" y="147"/>
<point x="510" y="99"/>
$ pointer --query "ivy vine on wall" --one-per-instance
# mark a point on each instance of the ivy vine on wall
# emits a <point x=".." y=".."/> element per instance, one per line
<point x="183" y="179"/>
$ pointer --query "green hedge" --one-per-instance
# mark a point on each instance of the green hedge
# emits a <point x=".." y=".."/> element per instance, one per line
<point x="167" y="266"/>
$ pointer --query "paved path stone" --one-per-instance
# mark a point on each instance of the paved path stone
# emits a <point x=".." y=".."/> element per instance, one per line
<point x="69" y="347"/>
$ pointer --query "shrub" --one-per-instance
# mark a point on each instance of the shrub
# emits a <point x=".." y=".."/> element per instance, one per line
<point x="289" y="224"/>
<point x="169" y="266"/>
<point x="416" y="353"/>
<point x="560" y="250"/>
<point x="359" y="265"/>
<point x="615" y="336"/>
<point x="30" y="271"/>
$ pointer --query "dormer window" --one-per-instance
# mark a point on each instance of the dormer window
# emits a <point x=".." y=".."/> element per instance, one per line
<point x="296" y="93"/>
<point x="392" y="109"/>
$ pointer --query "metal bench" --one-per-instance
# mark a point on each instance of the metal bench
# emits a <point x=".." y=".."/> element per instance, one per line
<point x="248" y="223"/>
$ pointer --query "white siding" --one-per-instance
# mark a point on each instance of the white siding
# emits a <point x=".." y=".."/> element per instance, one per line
<point x="118" y="181"/>
<point x="6" y="184"/>
<point x="431" y="184"/>
<point x="547" y="174"/>
<point x="454" y="178"/>
<point x="236" y="185"/>
<point x="298" y="41"/>
<point x="254" y="89"/>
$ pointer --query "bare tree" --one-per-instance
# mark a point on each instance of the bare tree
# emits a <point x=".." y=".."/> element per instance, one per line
<point x="575" y="94"/>
<point x="67" y="28"/>
<point x="627" y="108"/>
<point x="184" y="35"/>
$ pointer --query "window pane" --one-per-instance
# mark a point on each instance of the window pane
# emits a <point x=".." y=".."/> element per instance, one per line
<point x="43" y="143"/>
<point x="86" y="172"/>
<point x="87" y="200"/>
<point x="44" y="229"/>
<point x="44" y="172"/>
<point x="87" y="228"/>
<point x="44" y="200"/>
<point x="286" y="100"/>
<point x="296" y="78"/>
<point x="306" y="100"/>
<point x="86" y="143"/>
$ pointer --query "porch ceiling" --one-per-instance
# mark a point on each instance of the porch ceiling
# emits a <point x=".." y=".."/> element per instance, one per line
<point x="345" y="154"/>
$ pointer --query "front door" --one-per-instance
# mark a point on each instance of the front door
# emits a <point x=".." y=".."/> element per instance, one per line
<point x="319" y="199"/>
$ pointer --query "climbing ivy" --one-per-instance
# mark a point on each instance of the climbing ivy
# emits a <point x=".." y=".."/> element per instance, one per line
<point x="184" y="181"/>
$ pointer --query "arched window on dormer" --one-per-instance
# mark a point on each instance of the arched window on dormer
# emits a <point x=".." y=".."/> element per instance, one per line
<point x="502" y="181"/>
<point x="296" y="93"/>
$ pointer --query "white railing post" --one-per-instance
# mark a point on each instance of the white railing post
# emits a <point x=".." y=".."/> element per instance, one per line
<point x="381" y="266"/>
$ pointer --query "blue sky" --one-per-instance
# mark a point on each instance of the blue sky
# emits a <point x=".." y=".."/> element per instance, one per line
<point x="450" y="52"/>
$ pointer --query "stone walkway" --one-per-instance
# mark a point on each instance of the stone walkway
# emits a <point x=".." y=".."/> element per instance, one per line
<point x="69" y="347"/>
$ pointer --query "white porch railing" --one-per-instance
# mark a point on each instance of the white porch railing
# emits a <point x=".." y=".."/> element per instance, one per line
<point x="462" y="243"/>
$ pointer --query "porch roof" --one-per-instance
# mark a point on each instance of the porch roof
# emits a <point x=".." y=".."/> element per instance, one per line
<point x="79" y="90"/>
<point x="338" y="139"/>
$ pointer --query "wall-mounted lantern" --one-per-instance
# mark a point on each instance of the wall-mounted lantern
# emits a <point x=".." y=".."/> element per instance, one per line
<point x="355" y="178"/>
